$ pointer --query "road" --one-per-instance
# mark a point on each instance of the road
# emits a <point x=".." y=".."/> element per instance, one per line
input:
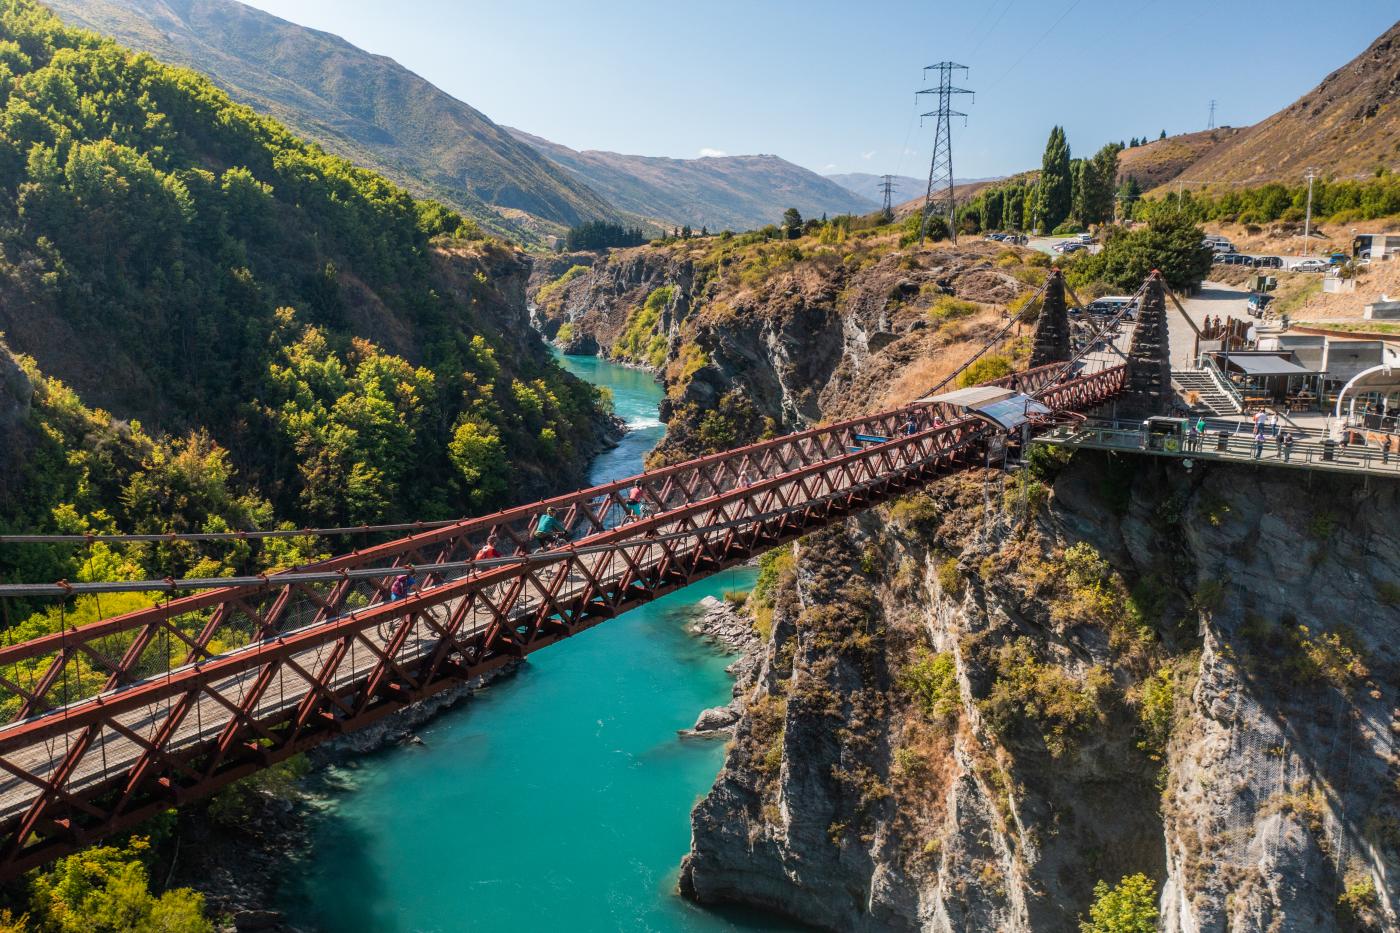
<point x="1214" y="299"/>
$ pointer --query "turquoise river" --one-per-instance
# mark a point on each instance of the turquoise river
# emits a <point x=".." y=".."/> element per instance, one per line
<point x="556" y="799"/>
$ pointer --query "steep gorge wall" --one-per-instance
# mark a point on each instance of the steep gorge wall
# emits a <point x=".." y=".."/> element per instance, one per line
<point x="977" y="703"/>
<point x="779" y="336"/>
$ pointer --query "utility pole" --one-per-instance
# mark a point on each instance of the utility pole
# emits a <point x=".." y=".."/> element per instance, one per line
<point x="940" y="168"/>
<point x="887" y="185"/>
<point x="1211" y="124"/>
<point x="1307" y="218"/>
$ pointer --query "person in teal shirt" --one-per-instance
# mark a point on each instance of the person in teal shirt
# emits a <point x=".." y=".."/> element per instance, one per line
<point x="548" y="528"/>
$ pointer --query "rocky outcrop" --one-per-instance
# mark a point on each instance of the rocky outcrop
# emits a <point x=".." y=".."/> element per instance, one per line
<point x="775" y="336"/>
<point x="978" y="703"/>
<point x="732" y="630"/>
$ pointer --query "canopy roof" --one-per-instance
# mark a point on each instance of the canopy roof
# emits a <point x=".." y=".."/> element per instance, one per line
<point x="972" y="395"/>
<point x="1267" y="366"/>
<point x="1011" y="412"/>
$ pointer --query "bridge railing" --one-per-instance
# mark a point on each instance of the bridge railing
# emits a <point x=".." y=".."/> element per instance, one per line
<point x="1236" y="441"/>
<point x="57" y="669"/>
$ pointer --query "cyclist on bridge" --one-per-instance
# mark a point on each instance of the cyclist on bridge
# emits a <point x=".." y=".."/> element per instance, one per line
<point x="549" y="531"/>
<point x="488" y="550"/>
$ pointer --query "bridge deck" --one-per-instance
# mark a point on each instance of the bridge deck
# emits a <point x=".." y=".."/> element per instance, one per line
<point x="1310" y="453"/>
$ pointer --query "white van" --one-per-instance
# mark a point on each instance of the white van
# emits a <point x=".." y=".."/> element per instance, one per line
<point x="1218" y="244"/>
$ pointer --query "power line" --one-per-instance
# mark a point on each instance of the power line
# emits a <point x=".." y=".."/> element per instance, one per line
<point x="224" y="535"/>
<point x="1211" y="124"/>
<point x="1043" y="36"/>
<point x="940" y="167"/>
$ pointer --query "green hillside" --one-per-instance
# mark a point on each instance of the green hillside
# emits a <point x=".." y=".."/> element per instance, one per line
<point x="285" y="326"/>
<point x="364" y="107"/>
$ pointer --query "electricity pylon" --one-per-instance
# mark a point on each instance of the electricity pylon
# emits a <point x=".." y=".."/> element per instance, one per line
<point x="940" y="169"/>
<point x="886" y="186"/>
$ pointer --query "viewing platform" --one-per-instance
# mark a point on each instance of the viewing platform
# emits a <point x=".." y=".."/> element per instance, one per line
<point x="1225" y="440"/>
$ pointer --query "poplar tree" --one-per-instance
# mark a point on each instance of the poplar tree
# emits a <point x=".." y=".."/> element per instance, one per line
<point x="1055" y="184"/>
<point x="1102" y="178"/>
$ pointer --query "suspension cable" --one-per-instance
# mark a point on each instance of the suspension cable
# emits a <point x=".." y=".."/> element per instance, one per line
<point x="1135" y="302"/>
<point x="994" y="340"/>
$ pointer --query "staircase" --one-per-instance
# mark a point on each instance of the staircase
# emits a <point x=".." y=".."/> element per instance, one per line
<point x="1212" y="397"/>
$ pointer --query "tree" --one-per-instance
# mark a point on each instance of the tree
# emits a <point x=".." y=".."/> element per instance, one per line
<point x="1053" y="203"/>
<point x="1171" y="243"/>
<point x="107" y="889"/>
<point x="1081" y="187"/>
<point x="1102" y="177"/>
<point x="1130" y="907"/>
<point x="1164" y="135"/>
<point x="600" y="234"/>
<point x="1128" y="194"/>
<point x="992" y="209"/>
<point x="792" y="223"/>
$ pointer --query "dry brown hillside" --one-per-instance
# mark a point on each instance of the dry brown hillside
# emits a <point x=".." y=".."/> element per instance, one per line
<point x="1348" y="126"/>
<point x="1162" y="160"/>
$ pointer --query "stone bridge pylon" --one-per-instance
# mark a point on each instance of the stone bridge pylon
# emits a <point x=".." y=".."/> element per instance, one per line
<point x="1149" y="387"/>
<point x="1051" y="343"/>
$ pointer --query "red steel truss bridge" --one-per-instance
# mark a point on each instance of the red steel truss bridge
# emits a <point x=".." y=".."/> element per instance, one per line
<point x="115" y="721"/>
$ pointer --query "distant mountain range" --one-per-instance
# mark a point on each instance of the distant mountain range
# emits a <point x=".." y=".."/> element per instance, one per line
<point x="718" y="192"/>
<point x="372" y="110"/>
<point x="365" y="107"/>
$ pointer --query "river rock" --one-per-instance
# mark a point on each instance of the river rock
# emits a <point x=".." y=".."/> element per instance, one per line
<point x="716" y="721"/>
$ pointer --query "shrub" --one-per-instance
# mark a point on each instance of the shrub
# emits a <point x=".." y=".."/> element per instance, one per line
<point x="992" y="366"/>
<point x="914" y="509"/>
<point x="949" y="578"/>
<point x="1027" y="689"/>
<point x="947" y="308"/>
<point x="1129" y="907"/>
<point x="931" y="681"/>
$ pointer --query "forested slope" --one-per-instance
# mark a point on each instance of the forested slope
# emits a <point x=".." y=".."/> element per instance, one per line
<point x="343" y="351"/>
<point x="364" y="107"/>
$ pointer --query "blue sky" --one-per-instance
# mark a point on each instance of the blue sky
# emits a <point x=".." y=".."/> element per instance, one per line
<point x="830" y="85"/>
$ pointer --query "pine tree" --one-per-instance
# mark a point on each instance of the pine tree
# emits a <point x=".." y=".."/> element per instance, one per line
<point x="792" y="223"/>
<point x="1128" y="194"/>
<point x="1164" y="135"/>
<point x="1055" y="186"/>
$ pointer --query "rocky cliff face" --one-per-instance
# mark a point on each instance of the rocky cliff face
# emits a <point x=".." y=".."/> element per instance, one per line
<point x="757" y="336"/>
<point x="972" y="706"/>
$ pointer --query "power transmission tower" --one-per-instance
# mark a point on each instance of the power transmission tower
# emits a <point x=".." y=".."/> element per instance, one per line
<point x="940" y="168"/>
<point x="887" y="185"/>
<point x="1211" y="124"/>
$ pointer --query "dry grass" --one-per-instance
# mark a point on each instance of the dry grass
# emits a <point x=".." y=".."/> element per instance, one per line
<point x="945" y="353"/>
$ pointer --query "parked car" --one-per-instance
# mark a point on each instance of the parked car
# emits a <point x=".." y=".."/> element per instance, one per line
<point x="1336" y="259"/>
<point x="1073" y="246"/>
<point x="1310" y="265"/>
<point x="1086" y="238"/>
<point x="1268" y="262"/>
